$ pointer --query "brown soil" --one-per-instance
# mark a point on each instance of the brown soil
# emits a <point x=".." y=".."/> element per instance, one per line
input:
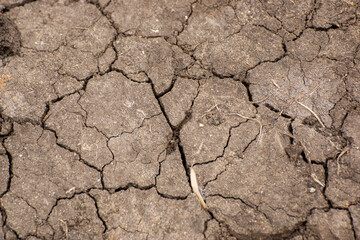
<point x="106" y="104"/>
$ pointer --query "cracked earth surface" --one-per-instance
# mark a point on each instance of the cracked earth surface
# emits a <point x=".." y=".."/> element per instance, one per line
<point x="105" y="105"/>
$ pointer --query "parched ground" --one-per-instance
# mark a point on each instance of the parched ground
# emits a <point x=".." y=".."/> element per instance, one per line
<point x="105" y="105"/>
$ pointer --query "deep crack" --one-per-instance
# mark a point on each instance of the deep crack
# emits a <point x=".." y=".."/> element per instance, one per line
<point x="326" y="172"/>
<point x="352" y="224"/>
<point x="15" y="4"/>
<point x="98" y="212"/>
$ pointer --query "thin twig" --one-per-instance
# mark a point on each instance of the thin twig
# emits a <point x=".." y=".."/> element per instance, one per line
<point x="200" y="147"/>
<point x="344" y="151"/>
<point x="315" y="178"/>
<point x="313" y="174"/>
<point x="254" y="119"/>
<point x="66" y="229"/>
<point x="317" y="117"/>
<point x="210" y="109"/>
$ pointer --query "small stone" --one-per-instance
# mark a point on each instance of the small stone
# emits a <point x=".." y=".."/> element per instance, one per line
<point x="312" y="190"/>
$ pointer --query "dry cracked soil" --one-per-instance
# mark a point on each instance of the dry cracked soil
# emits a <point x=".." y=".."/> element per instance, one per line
<point x="106" y="105"/>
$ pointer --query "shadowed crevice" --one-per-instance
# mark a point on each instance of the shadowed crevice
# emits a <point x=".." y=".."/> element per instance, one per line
<point x="98" y="212"/>
<point x="8" y="7"/>
<point x="352" y="223"/>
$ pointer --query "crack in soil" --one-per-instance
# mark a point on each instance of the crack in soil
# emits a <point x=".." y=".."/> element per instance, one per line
<point x="8" y="185"/>
<point x="11" y="174"/>
<point x="156" y="178"/>
<point x="176" y="141"/>
<point x="187" y="17"/>
<point x="250" y="205"/>
<point x="68" y="198"/>
<point x="71" y="150"/>
<point x="14" y="5"/>
<point x="351" y="223"/>
<point x="326" y="172"/>
<point x="98" y="212"/>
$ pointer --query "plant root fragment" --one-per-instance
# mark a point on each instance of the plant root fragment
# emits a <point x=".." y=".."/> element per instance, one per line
<point x="309" y="109"/>
<point x="254" y="119"/>
<point x="66" y="230"/>
<point x="313" y="174"/>
<point x="343" y="152"/>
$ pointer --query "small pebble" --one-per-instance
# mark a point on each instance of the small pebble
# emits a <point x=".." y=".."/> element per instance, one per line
<point x="312" y="189"/>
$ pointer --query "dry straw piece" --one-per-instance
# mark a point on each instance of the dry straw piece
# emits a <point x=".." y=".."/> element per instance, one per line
<point x="343" y="152"/>
<point x="66" y="230"/>
<point x="195" y="187"/>
<point x="309" y="109"/>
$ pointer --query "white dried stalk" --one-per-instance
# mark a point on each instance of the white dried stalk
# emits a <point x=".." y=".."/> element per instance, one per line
<point x="195" y="187"/>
